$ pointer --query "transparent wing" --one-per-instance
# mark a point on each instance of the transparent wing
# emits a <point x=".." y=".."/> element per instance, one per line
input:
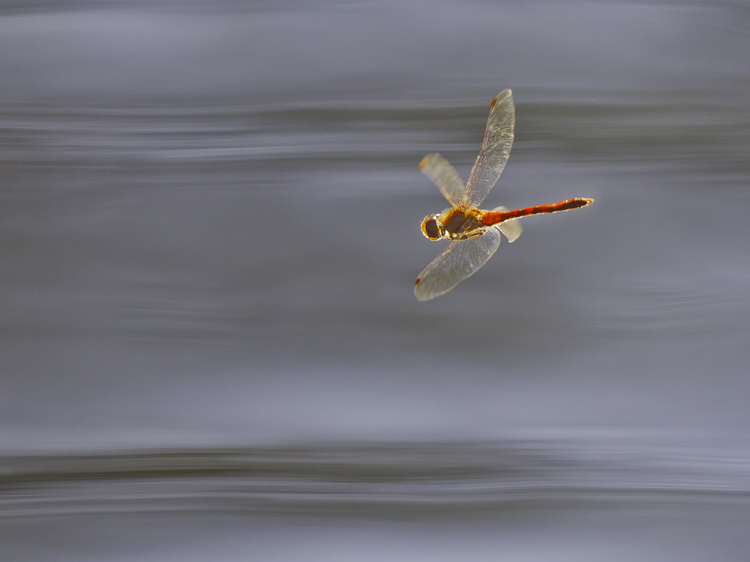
<point x="443" y="175"/>
<point x="457" y="262"/>
<point x="512" y="228"/>
<point x="498" y="139"/>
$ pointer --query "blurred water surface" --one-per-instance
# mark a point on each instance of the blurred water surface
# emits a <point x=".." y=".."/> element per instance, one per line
<point x="209" y="233"/>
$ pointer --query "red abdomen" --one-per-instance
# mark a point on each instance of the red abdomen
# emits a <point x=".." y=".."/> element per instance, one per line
<point x="491" y="217"/>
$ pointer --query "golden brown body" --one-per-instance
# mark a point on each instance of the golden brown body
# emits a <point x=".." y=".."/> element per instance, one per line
<point x="474" y="234"/>
<point x="461" y="224"/>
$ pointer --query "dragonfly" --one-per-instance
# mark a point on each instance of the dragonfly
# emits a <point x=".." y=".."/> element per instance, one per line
<point x="475" y="234"/>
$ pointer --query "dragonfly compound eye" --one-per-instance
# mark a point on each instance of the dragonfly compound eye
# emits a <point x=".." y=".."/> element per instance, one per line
<point x="430" y="228"/>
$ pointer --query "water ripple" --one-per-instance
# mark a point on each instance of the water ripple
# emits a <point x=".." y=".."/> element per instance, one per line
<point x="373" y="478"/>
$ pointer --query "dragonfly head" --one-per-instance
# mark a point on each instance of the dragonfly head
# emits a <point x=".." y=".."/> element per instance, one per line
<point x="432" y="227"/>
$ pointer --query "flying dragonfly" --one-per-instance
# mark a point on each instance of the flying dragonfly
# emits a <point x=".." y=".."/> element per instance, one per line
<point x="474" y="234"/>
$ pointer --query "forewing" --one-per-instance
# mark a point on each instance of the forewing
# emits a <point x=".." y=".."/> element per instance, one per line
<point x="457" y="262"/>
<point x="443" y="175"/>
<point x="498" y="139"/>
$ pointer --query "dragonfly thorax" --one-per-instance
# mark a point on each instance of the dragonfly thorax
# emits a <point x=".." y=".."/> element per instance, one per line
<point x="453" y="224"/>
<point x="459" y="223"/>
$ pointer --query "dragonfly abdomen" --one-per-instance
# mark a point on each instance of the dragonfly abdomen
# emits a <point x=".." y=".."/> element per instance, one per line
<point x="489" y="218"/>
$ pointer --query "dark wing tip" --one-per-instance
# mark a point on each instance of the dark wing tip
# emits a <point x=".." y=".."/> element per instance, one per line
<point x="506" y="93"/>
<point x="423" y="163"/>
<point x="419" y="279"/>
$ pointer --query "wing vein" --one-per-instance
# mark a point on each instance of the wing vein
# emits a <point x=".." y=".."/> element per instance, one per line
<point x="496" y="145"/>
<point x="460" y="260"/>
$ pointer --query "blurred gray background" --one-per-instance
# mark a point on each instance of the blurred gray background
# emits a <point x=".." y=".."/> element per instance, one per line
<point x="209" y="234"/>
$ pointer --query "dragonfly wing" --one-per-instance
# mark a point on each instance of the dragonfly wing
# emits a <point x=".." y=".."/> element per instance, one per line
<point x="457" y="262"/>
<point x="443" y="175"/>
<point x="498" y="139"/>
<point x="512" y="228"/>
